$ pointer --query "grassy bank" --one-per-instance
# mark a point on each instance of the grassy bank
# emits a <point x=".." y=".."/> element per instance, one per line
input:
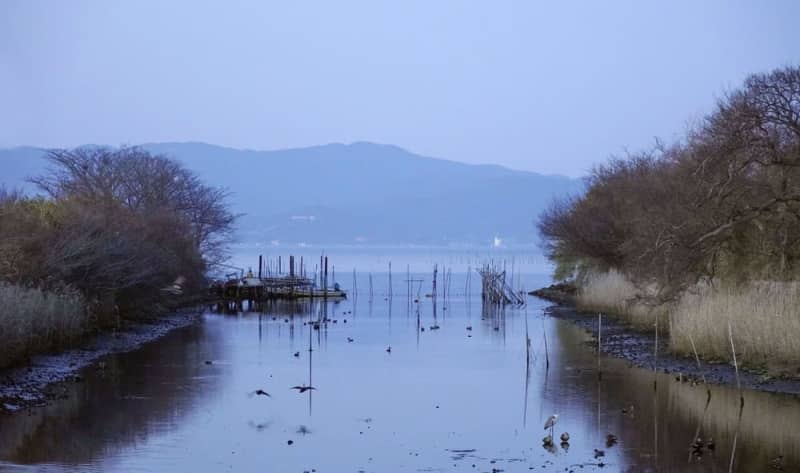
<point x="764" y="318"/>
<point x="33" y="320"/>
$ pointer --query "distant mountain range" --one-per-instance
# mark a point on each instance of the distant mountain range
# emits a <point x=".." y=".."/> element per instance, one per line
<point x="361" y="193"/>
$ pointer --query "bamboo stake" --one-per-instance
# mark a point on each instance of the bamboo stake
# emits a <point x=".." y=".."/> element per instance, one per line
<point x="655" y="358"/>
<point x="599" y="343"/>
<point x="546" y="351"/>
<point x="697" y="360"/>
<point x="735" y="364"/>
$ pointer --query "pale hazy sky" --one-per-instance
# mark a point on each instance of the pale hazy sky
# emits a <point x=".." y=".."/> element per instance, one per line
<point x="545" y="86"/>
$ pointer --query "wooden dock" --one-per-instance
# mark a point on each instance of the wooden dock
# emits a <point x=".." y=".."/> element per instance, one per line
<point x="271" y="283"/>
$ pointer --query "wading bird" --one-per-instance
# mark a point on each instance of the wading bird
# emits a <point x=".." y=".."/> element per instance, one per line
<point x="550" y="423"/>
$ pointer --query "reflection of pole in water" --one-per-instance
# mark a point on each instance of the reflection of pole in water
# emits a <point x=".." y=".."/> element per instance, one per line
<point x="655" y="428"/>
<point x="699" y="425"/>
<point x="527" y="370"/>
<point x="736" y="437"/>
<point x="310" y="351"/>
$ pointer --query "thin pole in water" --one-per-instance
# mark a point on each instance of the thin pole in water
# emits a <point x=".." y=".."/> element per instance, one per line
<point x="599" y="343"/>
<point x="735" y="364"/>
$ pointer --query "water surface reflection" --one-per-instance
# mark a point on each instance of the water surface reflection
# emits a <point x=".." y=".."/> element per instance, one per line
<point x="454" y="391"/>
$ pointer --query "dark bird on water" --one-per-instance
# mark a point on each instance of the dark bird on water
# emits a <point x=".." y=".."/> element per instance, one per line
<point x="349" y="340"/>
<point x="611" y="440"/>
<point x="469" y="327"/>
<point x="303" y="388"/>
<point x="260" y="392"/>
<point x="599" y="453"/>
<point x="297" y="354"/>
<point x="388" y="349"/>
<point x="565" y="437"/>
<point x="710" y="444"/>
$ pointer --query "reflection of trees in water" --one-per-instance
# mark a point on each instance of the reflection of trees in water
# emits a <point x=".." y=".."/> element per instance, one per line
<point x="768" y="425"/>
<point x="120" y="406"/>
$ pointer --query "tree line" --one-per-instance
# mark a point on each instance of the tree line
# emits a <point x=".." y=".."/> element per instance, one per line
<point x="721" y="203"/>
<point x="131" y="231"/>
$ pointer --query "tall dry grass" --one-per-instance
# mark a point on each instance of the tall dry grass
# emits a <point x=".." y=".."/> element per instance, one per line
<point x="611" y="292"/>
<point x="764" y="316"/>
<point x="33" y="320"/>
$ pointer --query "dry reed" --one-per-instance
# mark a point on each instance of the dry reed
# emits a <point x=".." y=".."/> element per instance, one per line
<point x="765" y="320"/>
<point x="613" y="293"/>
<point x="33" y="320"/>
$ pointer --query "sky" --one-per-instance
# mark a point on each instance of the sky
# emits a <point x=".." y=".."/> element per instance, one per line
<point x="551" y="87"/>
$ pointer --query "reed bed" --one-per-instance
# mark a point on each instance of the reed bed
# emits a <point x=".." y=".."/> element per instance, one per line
<point x="611" y="292"/>
<point x="764" y="319"/>
<point x="33" y="320"/>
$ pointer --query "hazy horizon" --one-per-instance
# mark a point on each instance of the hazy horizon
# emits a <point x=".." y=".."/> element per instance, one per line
<point x="530" y="86"/>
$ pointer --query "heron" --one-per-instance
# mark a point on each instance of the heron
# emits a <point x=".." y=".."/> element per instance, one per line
<point x="303" y="388"/>
<point x="550" y="423"/>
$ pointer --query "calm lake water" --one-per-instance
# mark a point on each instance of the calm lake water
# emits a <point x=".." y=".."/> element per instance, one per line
<point x="448" y="399"/>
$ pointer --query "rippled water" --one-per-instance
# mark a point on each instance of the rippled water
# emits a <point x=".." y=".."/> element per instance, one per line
<point x="448" y="399"/>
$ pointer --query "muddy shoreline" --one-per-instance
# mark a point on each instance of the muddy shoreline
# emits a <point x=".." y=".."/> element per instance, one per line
<point x="42" y="380"/>
<point x="622" y="341"/>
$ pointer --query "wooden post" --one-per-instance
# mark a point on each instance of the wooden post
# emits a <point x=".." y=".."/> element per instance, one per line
<point x="260" y="265"/>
